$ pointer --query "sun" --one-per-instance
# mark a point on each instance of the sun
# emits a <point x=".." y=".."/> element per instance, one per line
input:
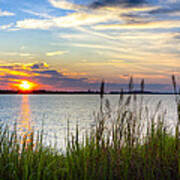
<point x="26" y="86"/>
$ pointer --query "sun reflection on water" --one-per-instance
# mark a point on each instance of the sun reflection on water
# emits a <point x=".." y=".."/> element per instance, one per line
<point x="25" y="123"/>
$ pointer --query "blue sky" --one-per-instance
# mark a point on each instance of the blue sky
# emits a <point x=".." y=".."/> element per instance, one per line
<point x="76" y="44"/>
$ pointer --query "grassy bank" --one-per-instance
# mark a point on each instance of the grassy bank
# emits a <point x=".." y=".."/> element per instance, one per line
<point x="126" y="143"/>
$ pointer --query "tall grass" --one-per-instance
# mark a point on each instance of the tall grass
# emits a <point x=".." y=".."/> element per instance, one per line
<point x="126" y="143"/>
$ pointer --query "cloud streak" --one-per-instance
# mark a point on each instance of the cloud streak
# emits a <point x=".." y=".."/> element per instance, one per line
<point x="63" y="4"/>
<point x="6" y="13"/>
<point x="56" y="53"/>
<point x="21" y="54"/>
<point x="163" y="24"/>
<point x="7" y="26"/>
<point x="121" y="3"/>
<point x="72" y="20"/>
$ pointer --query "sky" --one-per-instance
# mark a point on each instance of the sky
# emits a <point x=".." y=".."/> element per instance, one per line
<point x="75" y="44"/>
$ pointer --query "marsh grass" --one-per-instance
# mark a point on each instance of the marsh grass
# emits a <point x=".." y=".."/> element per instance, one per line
<point x="125" y="143"/>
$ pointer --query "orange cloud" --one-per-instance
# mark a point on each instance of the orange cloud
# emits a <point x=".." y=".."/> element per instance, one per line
<point x="13" y="72"/>
<point x="41" y="76"/>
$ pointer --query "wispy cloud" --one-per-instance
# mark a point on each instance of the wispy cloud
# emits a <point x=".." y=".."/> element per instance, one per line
<point x="6" y="13"/>
<point x="56" y="53"/>
<point x="103" y="47"/>
<point x="69" y="21"/>
<point x="34" y="24"/>
<point x="167" y="8"/>
<point x="161" y="24"/>
<point x="122" y="3"/>
<point x="21" y="54"/>
<point x="38" y="14"/>
<point x="7" y="26"/>
<point x="63" y="4"/>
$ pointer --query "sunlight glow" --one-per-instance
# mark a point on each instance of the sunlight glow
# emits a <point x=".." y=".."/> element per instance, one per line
<point x="25" y="123"/>
<point x="26" y="86"/>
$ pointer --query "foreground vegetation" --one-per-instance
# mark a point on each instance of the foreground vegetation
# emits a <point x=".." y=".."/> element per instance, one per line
<point x="126" y="143"/>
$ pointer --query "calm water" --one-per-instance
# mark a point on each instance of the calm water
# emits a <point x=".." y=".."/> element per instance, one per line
<point x="52" y="112"/>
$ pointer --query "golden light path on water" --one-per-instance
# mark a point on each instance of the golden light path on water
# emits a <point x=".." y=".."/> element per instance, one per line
<point x="25" y="123"/>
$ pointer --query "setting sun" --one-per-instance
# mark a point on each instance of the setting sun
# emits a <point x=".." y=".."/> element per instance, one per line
<point x="26" y="86"/>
